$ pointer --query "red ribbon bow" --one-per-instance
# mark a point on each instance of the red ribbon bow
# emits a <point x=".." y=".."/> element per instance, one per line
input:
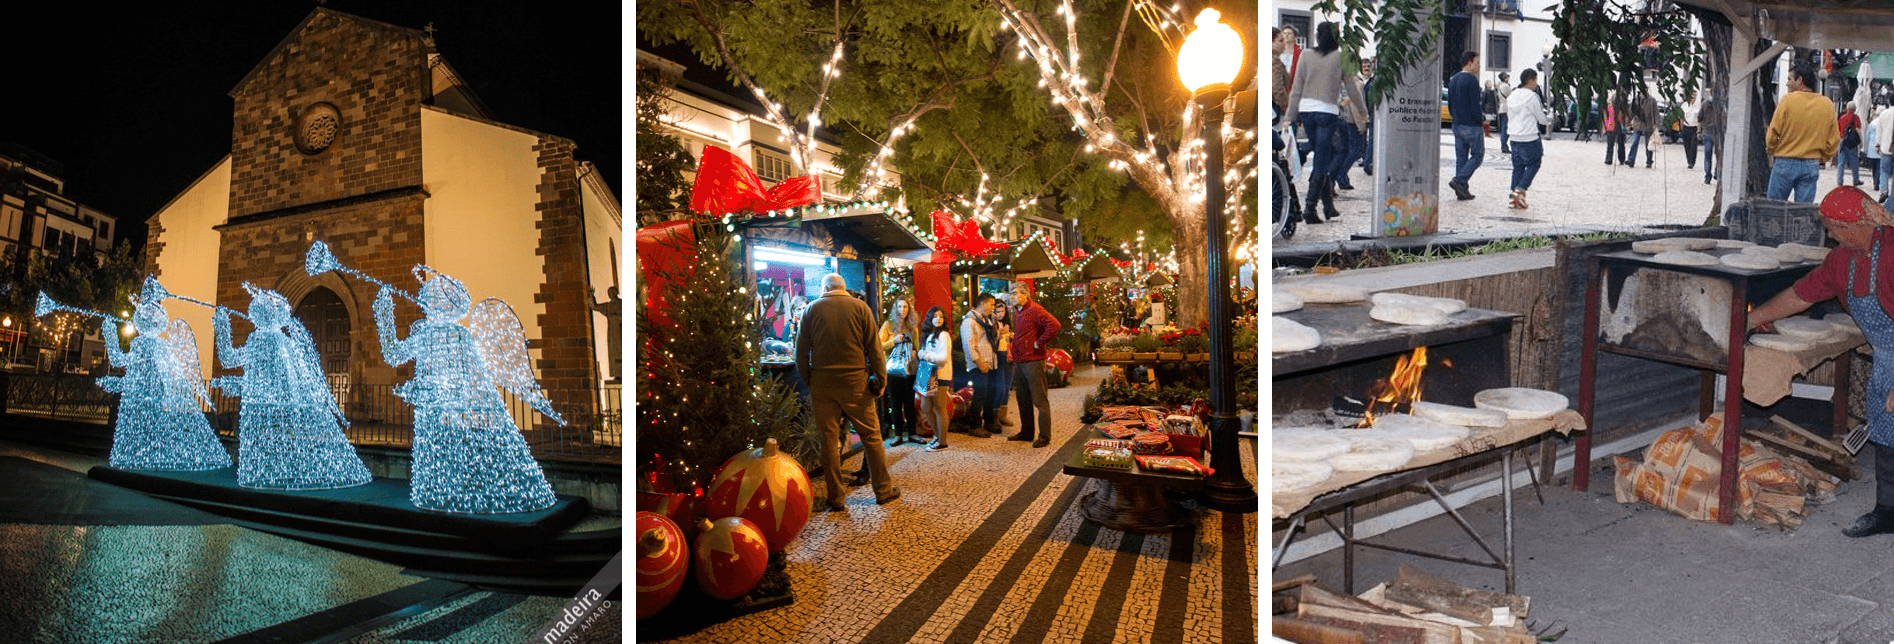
<point x="726" y="184"/>
<point x="962" y="237"/>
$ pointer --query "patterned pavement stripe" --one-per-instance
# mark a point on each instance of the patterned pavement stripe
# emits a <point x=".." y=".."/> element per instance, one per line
<point x="1051" y="597"/>
<point x="988" y="604"/>
<point x="907" y="618"/>
<point x="1108" y="614"/>
<point x="1174" y="601"/>
<point x="1239" y="606"/>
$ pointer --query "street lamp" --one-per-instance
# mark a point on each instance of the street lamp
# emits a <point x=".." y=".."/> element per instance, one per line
<point x="1207" y="63"/>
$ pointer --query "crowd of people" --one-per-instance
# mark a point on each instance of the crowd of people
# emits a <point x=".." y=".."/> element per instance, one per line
<point x="896" y="373"/>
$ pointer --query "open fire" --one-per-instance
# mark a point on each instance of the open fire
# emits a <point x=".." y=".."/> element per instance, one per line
<point x="1402" y="388"/>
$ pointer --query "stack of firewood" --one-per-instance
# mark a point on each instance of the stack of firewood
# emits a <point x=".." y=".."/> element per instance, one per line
<point x="1821" y="453"/>
<point x="1415" y="608"/>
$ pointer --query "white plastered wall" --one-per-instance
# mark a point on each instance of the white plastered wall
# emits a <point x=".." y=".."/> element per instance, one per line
<point x="187" y="265"/>
<point x="482" y="182"/>
<point x="604" y="245"/>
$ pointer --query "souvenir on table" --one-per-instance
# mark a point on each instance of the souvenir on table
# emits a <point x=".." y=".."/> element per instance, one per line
<point x="1151" y="443"/>
<point x="1107" y="454"/>
<point x="1178" y="464"/>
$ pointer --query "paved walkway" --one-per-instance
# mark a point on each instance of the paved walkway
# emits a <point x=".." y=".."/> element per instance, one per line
<point x="1615" y="573"/>
<point x="987" y="544"/>
<point x="1574" y="188"/>
<point x="83" y="561"/>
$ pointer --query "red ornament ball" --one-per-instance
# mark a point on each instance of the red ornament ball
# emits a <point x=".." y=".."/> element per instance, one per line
<point x="767" y="487"/>
<point x="730" y="557"/>
<point x="1059" y="359"/>
<point x="662" y="562"/>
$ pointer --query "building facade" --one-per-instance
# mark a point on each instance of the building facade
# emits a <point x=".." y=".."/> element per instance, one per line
<point x="359" y="134"/>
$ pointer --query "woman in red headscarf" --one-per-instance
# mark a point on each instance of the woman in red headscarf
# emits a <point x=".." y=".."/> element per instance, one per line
<point x="1861" y="275"/>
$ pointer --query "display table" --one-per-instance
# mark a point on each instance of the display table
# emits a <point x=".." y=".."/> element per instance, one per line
<point x="1345" y="490"/>
<point x="1693" y="316"/>
<point x="1132" y="500"/>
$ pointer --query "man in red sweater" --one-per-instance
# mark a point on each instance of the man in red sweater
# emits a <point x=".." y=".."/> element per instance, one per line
<point x="1033" y="329"/>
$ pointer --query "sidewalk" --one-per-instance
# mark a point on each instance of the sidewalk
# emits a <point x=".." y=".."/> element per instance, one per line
<point x="83" y="561"/>
<point x="987" y="544"/>
<point x="1574" y="189"/>
<point x="1615" y="573"/>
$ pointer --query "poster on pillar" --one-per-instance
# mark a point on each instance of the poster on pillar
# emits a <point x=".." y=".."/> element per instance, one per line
<point x="1407" y="152"/>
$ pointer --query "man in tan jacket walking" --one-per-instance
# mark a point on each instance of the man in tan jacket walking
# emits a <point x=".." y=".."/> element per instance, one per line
<point x="835" y="355"/>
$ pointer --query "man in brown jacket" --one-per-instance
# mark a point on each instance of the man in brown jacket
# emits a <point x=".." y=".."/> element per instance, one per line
<point x="835" y="356"/>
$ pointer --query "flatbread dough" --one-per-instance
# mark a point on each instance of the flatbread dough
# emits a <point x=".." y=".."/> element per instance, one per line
<point x="1462" y="416"/>
<point x="1750" y="261"/>
<point x="1801" y="327"/>
<point x="1685" y="258"/>
<point x="1367" y="454"/>
<point x="1409" y="314"/>
<point x="1781" y="257"/>
<point x="1324" y="293"/>
<point x="1734" y="243"/>
<point x="1308" y="444"/>
<point x="1446" y="305"/>
<point x="1424" y="434"/>
<point x="1284" y="302"/>
<point x="1805" y="251"/>
<point x="1655" y="246"/>
<point x="1521" y="403"/>
<point x="1290" y="336"/>
<point x="1844" y="322"/>
<point x="1781" y="342"/>
<point x="1291" y="476"/>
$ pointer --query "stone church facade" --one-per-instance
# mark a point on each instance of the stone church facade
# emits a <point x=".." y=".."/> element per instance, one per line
<point x="357" y="133"/>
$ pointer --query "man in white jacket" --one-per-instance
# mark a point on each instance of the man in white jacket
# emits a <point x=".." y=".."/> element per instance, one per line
<point x="1884" y="145"/>
<point x="1524" y="115"/>
<point x="978" y="342"/>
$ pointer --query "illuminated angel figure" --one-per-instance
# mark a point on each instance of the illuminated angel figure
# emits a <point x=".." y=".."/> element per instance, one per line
<point x="468" y="454"/>
<point x="290" y="429"/>
<point x="161" y="424"/>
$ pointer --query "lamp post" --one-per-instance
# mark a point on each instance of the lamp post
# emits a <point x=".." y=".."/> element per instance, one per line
<point x="1207" y="63"/>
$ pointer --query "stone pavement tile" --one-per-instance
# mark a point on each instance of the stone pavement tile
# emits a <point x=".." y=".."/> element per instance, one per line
<point x="169" y="583"/>
<point x="1573" y="188"/>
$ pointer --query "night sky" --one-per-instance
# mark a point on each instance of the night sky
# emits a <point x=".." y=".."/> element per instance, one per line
<point x="133" y="98"/>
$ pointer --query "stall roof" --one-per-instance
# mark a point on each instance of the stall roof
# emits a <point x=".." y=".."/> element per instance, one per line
<point x="878" y="227"/>
<point x="1099" y="267"/>
<point x="1822" y="24"/>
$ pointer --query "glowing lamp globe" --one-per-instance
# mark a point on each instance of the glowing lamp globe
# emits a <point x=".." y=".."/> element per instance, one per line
<point x="767" y="487"/>
<point x="730" y="556"/>
<point x="1212" y="53"/>
<point x="1060" y="360"/>
<point x="662" y="562"/>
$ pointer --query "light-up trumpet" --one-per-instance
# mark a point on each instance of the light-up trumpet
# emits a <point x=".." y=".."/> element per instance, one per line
<point x="165" y="294"/>
<point x="47" y="305"/>
<point x="319" y="260"/>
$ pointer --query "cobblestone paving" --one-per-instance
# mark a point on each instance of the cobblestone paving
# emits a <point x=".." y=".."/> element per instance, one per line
<point x="986" y="546"/>
<point x="1573" y="189"/>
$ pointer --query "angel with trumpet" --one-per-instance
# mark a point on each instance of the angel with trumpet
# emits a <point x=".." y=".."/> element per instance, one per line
<point x="161" y="424"/>
<point x="289" y="428"/>
<point x="469" y="456"/>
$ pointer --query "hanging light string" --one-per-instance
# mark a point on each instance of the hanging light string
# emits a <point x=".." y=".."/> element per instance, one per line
<point x="801" y="146"/>
<point x="1070" y="89"/>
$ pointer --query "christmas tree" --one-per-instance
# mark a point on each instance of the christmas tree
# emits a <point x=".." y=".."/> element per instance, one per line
<point x="702" y="395"/>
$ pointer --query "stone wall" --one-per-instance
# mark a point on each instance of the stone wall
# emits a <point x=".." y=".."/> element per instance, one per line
<point x="374" y="74"/>
<point x="566" y="356"/>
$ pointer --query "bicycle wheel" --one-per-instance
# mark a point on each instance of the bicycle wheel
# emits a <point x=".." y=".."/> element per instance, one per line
<point x="1284" y="210"/>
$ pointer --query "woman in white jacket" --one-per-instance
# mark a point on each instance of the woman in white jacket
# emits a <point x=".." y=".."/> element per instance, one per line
<point x="937" y="347"/>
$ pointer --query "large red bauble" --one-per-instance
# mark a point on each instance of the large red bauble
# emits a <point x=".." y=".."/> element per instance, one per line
<point x="1059" y="359"/>
<point x="730" y="556"/>
<point x="661" y="562"/>
<point x="767" y="487"/>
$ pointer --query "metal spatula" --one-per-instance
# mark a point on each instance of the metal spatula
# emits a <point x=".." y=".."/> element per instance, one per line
<point x="1856" y="438"/>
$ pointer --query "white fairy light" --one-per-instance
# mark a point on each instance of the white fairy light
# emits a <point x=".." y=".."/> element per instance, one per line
<point x="468" y="454"/>
<point x="289" y="429"/>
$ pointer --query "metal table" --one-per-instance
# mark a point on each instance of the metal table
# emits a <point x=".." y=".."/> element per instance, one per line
<point x="1658" y="331"/>
<point x="1133" y="500"/>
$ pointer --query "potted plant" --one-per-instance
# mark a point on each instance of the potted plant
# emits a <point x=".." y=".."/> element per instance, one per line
<point x="1245" y="343"/>
<point x="1171" y="351"/>
<point x="1145" y="347"/>
<point x="1115" y="347"/>
<point x="1196" y="347"/>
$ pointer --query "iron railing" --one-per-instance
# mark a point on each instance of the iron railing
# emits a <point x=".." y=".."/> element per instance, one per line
<point x="594" y="428"/>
